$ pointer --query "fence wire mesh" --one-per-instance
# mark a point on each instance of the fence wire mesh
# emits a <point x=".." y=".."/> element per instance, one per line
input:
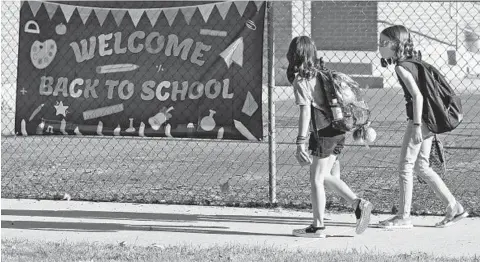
<point x="228" y="172"/>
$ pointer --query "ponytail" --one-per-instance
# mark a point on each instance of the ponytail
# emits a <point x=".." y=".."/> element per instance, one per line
<point x="408" y="51"/>
<point x="320" y="64"/>
<point x="291" y="73"/>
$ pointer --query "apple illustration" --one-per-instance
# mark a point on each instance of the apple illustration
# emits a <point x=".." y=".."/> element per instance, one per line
<point x="61" y="29"/>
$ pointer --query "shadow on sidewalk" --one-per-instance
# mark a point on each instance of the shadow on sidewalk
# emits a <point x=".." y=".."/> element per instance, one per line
<point x="168" y="217"/>
<point x="180" y="218"/>
<point x="112" y="227"/>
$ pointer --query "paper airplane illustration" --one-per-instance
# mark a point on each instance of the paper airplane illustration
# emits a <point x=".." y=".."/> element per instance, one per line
<point x="234" y="53"/>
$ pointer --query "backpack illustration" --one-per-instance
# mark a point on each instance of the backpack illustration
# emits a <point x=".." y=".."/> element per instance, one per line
<point x="442" y="108"/>
<point x="349" y="110"/>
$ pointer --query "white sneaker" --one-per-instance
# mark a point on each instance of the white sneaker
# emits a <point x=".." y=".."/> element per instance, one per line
<point x="362" y="213"/>
<point x="453" y="215"/>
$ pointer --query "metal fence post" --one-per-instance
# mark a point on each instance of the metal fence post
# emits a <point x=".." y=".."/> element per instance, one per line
<point x="272" y="145"/>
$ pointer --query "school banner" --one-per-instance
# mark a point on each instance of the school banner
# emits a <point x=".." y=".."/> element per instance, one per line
<point x="181" y="71"/>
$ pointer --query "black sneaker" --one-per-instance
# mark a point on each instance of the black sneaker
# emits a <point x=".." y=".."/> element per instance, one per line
<point x="310" y="231"/>
<point x="362" y="213"/>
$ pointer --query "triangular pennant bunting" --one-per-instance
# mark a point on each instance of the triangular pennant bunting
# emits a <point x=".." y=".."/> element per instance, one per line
<point x="67" y="11"/>
<point x="153" y="15"/>
<point x="84" y="13"/>
<point x="206" y="10"/>
<point x="34" y="5"/>
<point x="188" y="13"/>
<point x="223" y="8"/>
<point x="135" y="14"/>
<point x="259" y="5"/>
<point x="118" y="14"/>
<point x="51" y="8"/>
<point x="101" y="15"/>
<point x="170" y="14"/>
<point x="241" y="6"/>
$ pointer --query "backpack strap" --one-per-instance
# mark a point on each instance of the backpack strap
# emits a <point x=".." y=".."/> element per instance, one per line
<point x="326" y="78"/>
<point x="424" y="70"/>
<point x="314" y="124"/>
<point x="312" y="110"/>
<point x="413" y="61"/>
<point x="438" y="146"/>
<point x="320" y="78"/>
<point x="312" y="115"/>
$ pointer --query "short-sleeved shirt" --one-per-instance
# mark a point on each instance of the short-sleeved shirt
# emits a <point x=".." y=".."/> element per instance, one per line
<point x="413" y="69"/>
<point x="310" y="92"/>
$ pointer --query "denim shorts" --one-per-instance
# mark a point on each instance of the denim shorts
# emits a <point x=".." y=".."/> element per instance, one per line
<point x="331" y="142"/>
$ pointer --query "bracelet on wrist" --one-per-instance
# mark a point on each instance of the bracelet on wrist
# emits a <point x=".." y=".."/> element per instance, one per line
<point x="301" y="140"/>
<point x="416" y="124"/>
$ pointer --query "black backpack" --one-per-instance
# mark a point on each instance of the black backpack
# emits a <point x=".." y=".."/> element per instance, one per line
<point x="442" y="108"/>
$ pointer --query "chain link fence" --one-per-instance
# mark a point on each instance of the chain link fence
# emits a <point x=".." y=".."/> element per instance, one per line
<point x="229" y="172"/>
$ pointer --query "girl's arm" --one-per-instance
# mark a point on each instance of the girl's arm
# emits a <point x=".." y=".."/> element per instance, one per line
<point x="304" y="121"/>
<point x="412" y="87"/>
<point x="302" y="99"/>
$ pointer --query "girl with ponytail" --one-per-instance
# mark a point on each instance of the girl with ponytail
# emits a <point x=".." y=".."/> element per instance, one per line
<point x="309" y="92"/>
<point x="396" y="46"/>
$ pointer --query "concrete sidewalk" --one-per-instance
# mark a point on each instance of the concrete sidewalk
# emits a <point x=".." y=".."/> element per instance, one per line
<point x="139" y="224"/>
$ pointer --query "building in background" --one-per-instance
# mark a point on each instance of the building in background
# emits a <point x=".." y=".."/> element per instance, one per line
<point x="346" y="34"/>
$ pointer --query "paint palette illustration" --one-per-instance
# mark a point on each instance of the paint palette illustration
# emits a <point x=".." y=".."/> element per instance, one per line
<point x="43" y="53"/>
